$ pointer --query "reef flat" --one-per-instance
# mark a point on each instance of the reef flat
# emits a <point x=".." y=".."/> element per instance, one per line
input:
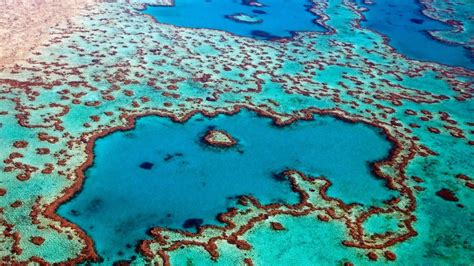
<point x="109" y="64"/>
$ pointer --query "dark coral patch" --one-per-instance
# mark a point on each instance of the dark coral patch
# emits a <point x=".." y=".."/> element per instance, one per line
<point x="447" y="195"/>
<point x="417" y="20"/>
<point x="146" y="165"/>
<point x="16" y="204"/>
<point x="390" y="255"/>
<point x="122" y="263"/>
<point x="280" y="177"/>
<point x="20" y="144"/>
<point x="37" y="240"/>
<point x="262" y="34"/>
<point x="257" y="11"/>
<point x="277" y="226"/>
<point x="94" y="205"/>
<point x="168" y="157"/>
<point x="192" y="223"/>
<point x="372" y="256"/>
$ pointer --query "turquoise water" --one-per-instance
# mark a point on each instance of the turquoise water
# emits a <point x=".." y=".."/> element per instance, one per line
<point x="306" y="242"/>
<point x="279" y="17"/>
<point x="406" y="27"/>
<point x="161" y="174"/>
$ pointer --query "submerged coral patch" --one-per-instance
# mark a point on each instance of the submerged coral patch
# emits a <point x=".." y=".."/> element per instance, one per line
<point x="447" y="194"/>
<point x="146" y="165"/>
<point x="245" y="18"/>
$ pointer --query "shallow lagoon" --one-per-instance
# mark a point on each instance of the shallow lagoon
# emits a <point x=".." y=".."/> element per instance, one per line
<point x="122" y="198"/>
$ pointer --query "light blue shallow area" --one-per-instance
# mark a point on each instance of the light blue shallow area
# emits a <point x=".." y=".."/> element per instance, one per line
<point x="282" y="16"/>
<point x="120" y="201"/>
<point x="394" y="19"/>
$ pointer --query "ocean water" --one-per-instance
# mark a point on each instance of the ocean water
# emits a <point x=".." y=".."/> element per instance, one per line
<point x="407" y="28"/>
<point x="188" y="179"/>
<point x="279" y="18"/>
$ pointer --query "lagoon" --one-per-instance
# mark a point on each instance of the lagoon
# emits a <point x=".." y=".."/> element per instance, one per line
<point x="161" y="173"/>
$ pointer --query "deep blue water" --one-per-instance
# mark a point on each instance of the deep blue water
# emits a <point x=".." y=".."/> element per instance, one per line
<point x="187" y="179"/>
<point x="280" y="17"/>
<point x="405" y="25"/>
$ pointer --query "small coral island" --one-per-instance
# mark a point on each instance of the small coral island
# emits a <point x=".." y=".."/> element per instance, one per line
<point x="219" y="138"/>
